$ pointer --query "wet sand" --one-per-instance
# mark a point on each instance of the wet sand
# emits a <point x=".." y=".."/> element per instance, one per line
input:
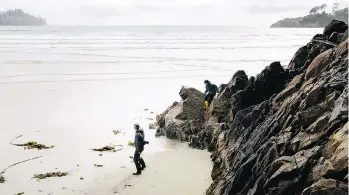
<point x="178" y="170"/>
<point x="74" y="127"/>
<point x="171" y="165"/>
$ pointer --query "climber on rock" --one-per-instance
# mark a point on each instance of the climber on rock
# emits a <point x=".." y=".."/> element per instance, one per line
<point x="210" y="92"/>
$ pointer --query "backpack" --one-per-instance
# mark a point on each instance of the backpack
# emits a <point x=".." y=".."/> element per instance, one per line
<point x="215" y="88"/>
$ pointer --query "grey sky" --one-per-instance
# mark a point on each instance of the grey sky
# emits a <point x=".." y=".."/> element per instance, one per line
<point x="164" y="12"/>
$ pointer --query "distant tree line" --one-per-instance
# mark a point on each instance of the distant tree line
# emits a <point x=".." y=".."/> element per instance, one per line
<point x="316" y="18"/>
<point x="318" y="9"/>
<point x="17" y="17"/>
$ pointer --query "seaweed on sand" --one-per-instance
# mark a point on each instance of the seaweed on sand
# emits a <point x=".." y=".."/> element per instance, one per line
<point x="2" y="179"/>
<point x="98" y="165"/>
<point x="105" y="148"/>
<point x="152" y="126"/>
<point x="31" y="145"/>
<point x="116" y="132"/>
<point x="110" y="148"/>
<point x="51" y="174"/>
<point x="131" y="143"/>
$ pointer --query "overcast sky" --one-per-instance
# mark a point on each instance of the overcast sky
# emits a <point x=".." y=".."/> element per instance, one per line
<point x="164" y="12"/>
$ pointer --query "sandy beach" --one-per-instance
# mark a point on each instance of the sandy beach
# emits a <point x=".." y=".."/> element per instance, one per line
<point x="169" y="164"/>
<point x="60" y="118"/>
<point x="178" y="170"/>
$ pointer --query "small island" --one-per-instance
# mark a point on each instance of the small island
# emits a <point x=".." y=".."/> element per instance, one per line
<point x="18" y="17"/>
<point x="317" y="18"/>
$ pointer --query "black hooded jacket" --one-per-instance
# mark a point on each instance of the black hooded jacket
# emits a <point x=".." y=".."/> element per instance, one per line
<point x="139" y="141"/>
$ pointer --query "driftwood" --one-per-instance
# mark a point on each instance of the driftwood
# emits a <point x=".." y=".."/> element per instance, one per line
<point x="16" y="144"/>
<point x="2" y="172"/>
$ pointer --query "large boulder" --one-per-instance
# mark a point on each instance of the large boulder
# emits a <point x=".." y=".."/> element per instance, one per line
<point x="160" y="119"/>
<point x="191" y="107"/>
<point x="175" y="122"/>
<point x="335" y="26"/>
<point x="188" y="92"/>
<point x="239" y="81"/>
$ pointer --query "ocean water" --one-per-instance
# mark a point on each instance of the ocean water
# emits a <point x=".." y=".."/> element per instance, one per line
<point x="71" y="86"/>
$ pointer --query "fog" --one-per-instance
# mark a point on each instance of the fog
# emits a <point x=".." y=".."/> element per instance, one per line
<point x="164" y="12"/>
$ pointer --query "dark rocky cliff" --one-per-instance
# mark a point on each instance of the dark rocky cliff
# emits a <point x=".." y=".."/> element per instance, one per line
<point x="282" y="132"/>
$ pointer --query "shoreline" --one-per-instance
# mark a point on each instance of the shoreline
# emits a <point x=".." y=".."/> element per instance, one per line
<point x="167" y="173"/>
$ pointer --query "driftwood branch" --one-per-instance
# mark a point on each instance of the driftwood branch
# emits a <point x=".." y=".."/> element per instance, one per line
<point x="16" y="144"/>
<point x="19" y="163"/>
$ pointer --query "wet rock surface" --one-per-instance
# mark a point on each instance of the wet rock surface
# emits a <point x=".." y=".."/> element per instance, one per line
<point x="183" y="118"/>
<point x="284" y="131"/>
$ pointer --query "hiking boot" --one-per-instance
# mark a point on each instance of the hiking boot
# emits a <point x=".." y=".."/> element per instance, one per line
<point x="141" y="161"/>
<point x="137" y="173"/>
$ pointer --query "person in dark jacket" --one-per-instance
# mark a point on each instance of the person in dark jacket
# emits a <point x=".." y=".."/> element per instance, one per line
<point x="210" y="92"/>
<point x="139" y="145"/>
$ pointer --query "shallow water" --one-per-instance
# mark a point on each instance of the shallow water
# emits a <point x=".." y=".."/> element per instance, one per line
<point x="71" y="86"/>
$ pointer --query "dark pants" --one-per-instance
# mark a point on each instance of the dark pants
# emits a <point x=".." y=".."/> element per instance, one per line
<point x="209" y="98"/>
<point x="138" y="160"/>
